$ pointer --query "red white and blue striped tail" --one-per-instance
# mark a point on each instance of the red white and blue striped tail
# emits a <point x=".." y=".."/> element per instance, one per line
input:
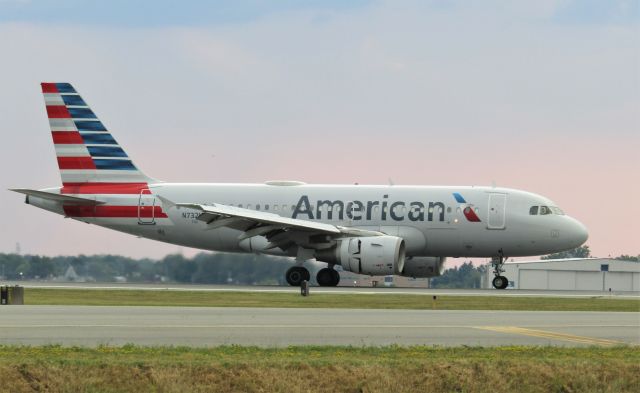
<point x="87" y="153"/>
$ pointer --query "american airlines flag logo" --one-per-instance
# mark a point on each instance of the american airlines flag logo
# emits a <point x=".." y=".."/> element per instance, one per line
<point x="82" y="142"/>
<point x="467" y="208"/>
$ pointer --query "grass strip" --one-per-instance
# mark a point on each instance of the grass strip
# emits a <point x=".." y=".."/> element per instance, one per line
<point x="109" y="297"/>
<point x="319" y="369"/>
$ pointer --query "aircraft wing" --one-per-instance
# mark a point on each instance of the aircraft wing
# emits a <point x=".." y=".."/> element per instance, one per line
<point x="278" y="230"/>
<point x="212" y="214"/>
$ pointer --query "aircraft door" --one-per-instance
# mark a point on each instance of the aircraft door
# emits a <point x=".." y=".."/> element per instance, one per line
<point x="497" y="211"/>
<point x="146" y="207"/>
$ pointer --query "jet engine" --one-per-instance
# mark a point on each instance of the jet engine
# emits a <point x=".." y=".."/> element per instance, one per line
<point x="420" y="267"/>
<point x="376" y="255"/>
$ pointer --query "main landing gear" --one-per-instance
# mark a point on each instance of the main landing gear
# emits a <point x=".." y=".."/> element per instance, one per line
<point x="296" y="275"/>
<point x="499" y="281"/>
<point x="327" y="277"/>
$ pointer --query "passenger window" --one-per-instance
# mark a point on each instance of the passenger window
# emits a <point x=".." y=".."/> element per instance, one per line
<point x="533" y="211"/>
<point x="266" y="207"/>
<point x="240" y="205"/>
<point x="275" y="207"/>
<point x="249" y="206"/>
<point x="284" y="207"/>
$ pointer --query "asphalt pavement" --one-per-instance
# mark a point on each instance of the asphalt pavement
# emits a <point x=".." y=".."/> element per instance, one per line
<point x="268" y="327"/>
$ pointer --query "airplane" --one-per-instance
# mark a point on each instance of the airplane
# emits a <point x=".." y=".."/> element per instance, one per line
<point x="366" y="229"/>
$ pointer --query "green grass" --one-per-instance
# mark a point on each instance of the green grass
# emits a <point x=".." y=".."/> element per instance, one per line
<point x="107" y="297"/>
<point x="319" y="369"/>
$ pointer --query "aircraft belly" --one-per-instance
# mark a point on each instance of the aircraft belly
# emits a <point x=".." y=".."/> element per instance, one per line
<point x="443" y="242"/>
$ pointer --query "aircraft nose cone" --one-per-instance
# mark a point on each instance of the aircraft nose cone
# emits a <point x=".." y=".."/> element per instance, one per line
<point x="579" y="233"/>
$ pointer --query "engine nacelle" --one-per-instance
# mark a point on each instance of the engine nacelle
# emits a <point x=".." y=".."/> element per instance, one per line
<point x="376" y="255"/>
<point x="421" y="267"/>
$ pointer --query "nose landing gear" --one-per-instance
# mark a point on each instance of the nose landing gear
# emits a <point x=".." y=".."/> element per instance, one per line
<point x="499" y="281"/>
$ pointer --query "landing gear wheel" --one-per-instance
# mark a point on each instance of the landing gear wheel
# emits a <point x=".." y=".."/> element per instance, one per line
<point x="296" y="275"/>
<point x="336" y="278"/>
<point x="500" y="282"/>
<point x="328" y="277"/>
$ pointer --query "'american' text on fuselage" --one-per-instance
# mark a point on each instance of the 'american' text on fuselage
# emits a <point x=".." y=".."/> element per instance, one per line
<point x="357" y="210"/>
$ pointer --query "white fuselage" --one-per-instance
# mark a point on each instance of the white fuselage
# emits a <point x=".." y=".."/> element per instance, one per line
<point x="432" y="220"/>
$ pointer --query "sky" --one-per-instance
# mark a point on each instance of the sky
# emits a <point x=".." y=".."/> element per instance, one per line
<point x="537" y="95"/>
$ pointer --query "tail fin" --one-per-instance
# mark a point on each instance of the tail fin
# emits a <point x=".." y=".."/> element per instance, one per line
<point x="86" y="151"/>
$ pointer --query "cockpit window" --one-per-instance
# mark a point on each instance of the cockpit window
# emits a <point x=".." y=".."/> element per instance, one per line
<point x="544" y="210"/>
<point x="556" y="210"/>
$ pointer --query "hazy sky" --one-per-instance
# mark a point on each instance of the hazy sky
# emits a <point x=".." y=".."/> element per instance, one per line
<point x="541" y="95"/>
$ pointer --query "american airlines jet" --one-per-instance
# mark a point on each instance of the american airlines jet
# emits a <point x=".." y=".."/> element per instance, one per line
<point x="374" y="230"/>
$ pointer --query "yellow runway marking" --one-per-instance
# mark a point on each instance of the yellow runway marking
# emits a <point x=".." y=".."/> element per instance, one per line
<point x="551" y="335"/>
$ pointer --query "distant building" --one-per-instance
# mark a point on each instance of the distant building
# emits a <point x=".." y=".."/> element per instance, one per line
<point x="589" y="274"/>
<point x="70" y="275"/>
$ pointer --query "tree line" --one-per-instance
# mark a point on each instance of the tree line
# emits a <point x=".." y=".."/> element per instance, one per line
<point x="208" y="268"/>
<point x="204" y="268"/>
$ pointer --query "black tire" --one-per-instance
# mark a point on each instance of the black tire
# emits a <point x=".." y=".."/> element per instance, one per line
<point x="324" y="277"/>
<point x="296" y="274"/>
<point x="336" y="278"/>
<point x="500" y="282"/>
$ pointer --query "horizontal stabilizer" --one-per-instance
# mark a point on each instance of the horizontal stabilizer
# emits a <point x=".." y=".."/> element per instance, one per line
<point x="66" y="199"/>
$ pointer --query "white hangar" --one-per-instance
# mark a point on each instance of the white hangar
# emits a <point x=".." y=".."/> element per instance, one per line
<point x="588" y="274"/>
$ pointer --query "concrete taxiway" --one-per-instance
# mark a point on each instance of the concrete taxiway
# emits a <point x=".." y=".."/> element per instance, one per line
<point x="204" y="326"/>
<point x="336" y="290"/>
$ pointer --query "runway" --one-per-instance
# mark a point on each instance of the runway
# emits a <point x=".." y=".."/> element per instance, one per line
<point x="268" y="327"/>
<point x="336" y="290"/>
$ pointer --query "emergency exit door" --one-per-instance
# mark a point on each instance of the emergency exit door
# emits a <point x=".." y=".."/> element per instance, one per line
<point x="497" y="211"/>
<point x="146" y="208"/>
